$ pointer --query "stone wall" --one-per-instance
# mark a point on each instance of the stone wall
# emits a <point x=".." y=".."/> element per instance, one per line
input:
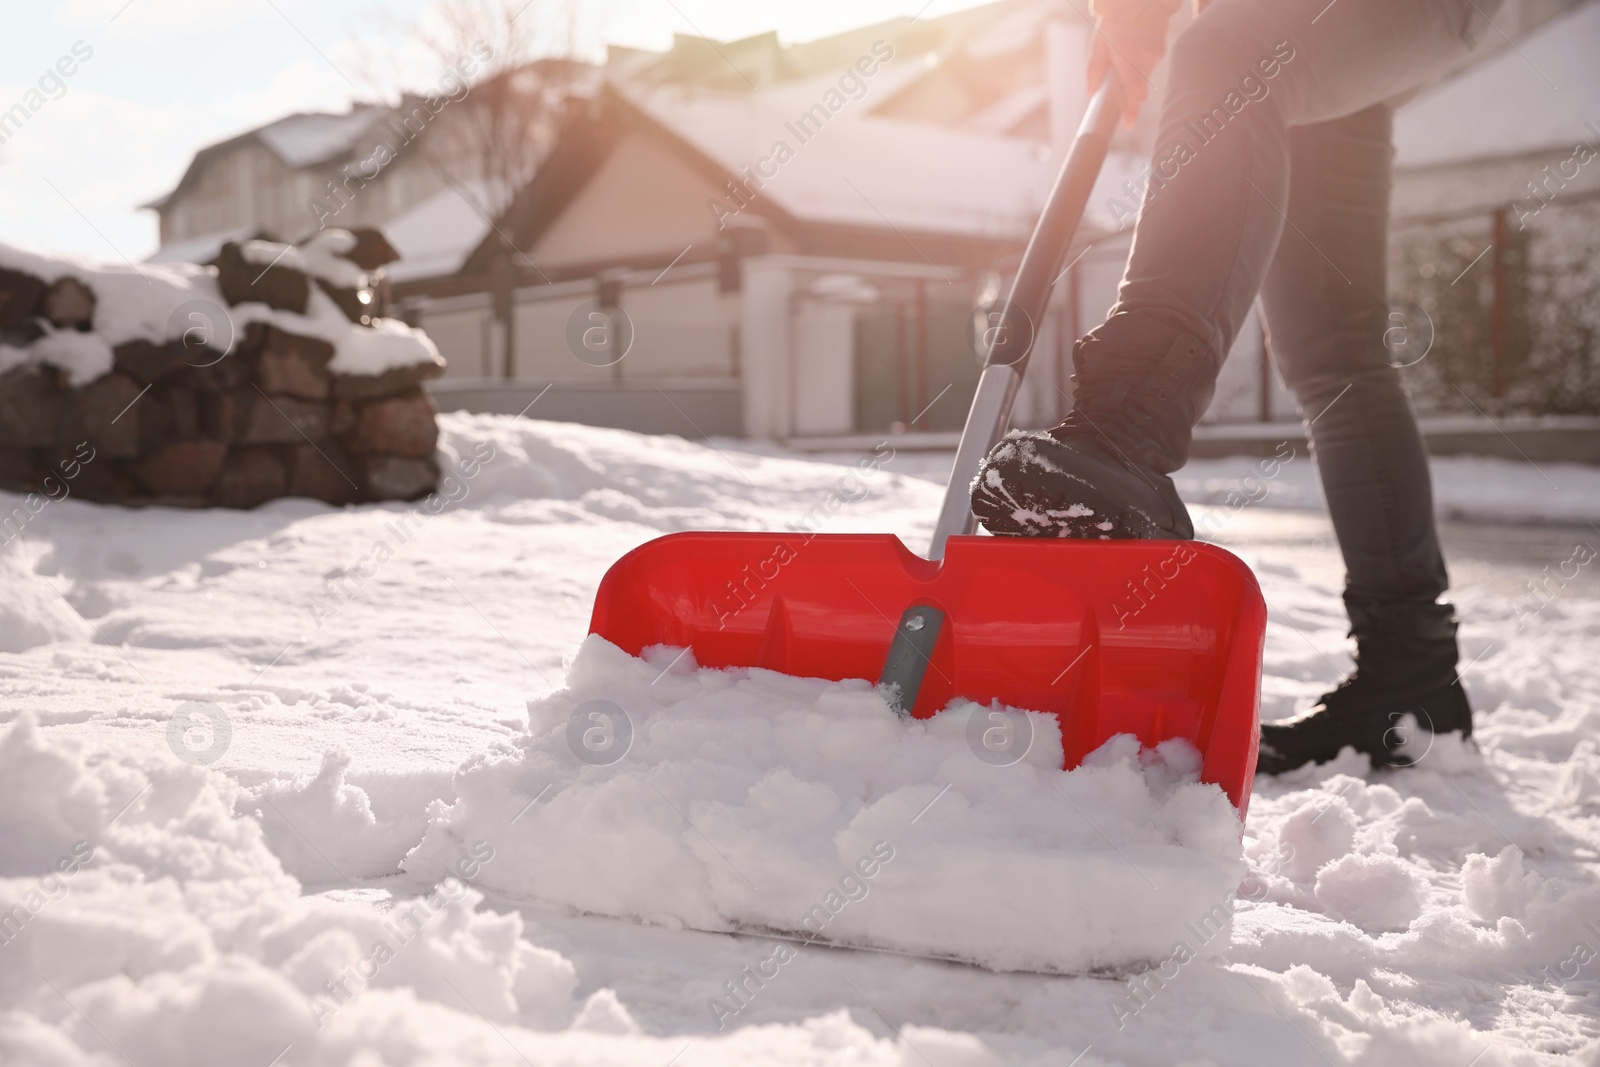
<point x="174" y="426"/>
<point x="176" y="422"/>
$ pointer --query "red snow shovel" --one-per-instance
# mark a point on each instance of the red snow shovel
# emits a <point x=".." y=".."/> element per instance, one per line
<point x="1159" y="639"/>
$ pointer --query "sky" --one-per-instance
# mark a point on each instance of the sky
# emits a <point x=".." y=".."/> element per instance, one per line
<point x="152" y="81"/>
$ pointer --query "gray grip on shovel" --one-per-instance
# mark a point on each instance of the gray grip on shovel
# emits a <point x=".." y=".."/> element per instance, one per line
<point x="910" y="656"/>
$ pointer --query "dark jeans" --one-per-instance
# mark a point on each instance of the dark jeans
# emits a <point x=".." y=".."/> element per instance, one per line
<point x="1281" y="186"/>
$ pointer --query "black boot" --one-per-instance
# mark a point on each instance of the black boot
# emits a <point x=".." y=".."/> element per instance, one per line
<point x="1073" y="485"/>
<point x="1405" y="665"/>
<point x="1140" y="387"/>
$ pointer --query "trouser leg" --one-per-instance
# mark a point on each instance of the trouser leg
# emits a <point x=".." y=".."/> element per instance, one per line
<point x="1326" y="311"/>
<point x="1324" y="298"/>
<point x="1243" y="75"/>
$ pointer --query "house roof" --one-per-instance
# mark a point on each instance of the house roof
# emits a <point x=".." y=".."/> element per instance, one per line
<point x="761" y="60"/>
<point x="882" y="164"/>
<point x="857" y="169"/>
<point x="589" y="132"/>
<point x="860" y="173"/>
<point x="1539" y="94"/>
<point x="304" y="139"/>
<point x="875" y="169"/>
<point x="309" y="138"/>
<point x="435" y="237"/>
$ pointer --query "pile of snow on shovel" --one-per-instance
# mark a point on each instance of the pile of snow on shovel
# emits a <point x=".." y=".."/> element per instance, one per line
<point x="744" y="800"/>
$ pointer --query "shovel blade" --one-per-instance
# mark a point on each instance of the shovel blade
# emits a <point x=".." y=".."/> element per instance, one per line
<point x="1159" y="639"/>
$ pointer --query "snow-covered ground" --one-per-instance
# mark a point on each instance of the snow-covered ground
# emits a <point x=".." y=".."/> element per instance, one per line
<point x="245" y="904"/>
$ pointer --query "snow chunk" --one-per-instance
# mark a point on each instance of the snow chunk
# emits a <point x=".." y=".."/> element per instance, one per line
<point x="46" y="806"/>
<point x="944" y="1048"/>
<point x="1580" y="776"/>
<point x="1318" y="833"/>
<point x="1376" y="893"/>
<point x="323" y="830"/>
<point x="604" y="1013"/>
<point x="32" y="613"/>
<point x="747" y="800"/>
<point x="159" y="302"/>
<point x="320" y="257"/>
<point x="1498" y="887"/>
<point x="386" y="344"/>
<point x="84" y="356"/>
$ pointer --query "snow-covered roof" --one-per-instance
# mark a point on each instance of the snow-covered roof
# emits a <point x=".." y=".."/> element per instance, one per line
<point x="300" y="140"/>
<point x="435" y="237"/>
<point x="1543" y="92"/>
<point x="306" y="139"/>
<point x="868" y="170"/>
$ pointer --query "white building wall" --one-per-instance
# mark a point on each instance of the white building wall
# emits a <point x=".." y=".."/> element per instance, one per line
<point x="464" y="340"/>
<point x="822" y="371"/>
<point x="682" y="328"/>
<point x="766" y="347"/>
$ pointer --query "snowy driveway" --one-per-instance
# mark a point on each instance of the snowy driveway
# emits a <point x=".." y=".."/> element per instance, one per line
<point x="1445" y="915"/>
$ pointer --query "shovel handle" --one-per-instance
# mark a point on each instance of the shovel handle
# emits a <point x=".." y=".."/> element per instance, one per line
<point x="1010" y="335"/>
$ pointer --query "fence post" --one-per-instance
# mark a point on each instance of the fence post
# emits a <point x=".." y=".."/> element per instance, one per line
<point x="1497" y="307"/>
<point x="506" y="312"/>
<point x="921" y="289"/>
<point x="902" y="368"/>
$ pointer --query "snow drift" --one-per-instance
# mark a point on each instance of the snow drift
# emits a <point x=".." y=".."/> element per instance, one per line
<point x="130" y="883"/>
<point x="747" y="800"/>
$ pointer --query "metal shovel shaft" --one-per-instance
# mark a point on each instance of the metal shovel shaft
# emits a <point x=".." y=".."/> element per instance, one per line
<point x="1010" y="335"/>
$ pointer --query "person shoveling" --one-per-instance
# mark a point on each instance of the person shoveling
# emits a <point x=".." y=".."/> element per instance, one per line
<point x="1270" y="175"/>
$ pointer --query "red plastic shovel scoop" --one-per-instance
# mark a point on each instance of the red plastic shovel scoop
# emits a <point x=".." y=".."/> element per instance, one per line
<point x="1159" y="639"/>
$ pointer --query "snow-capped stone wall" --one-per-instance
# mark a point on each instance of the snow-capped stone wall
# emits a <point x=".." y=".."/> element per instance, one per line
<point x="266" y="374"/>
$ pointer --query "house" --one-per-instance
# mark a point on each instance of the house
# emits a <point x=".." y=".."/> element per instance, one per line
<point x="786" y="241"/>
<point x="752" y="255"/>
<point x="275" y="178"/>
<point x="416" y="166"/>
<point x="794" y="240"/>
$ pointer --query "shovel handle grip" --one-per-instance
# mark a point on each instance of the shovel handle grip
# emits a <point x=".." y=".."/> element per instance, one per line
<point x="1012" y="327"/>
